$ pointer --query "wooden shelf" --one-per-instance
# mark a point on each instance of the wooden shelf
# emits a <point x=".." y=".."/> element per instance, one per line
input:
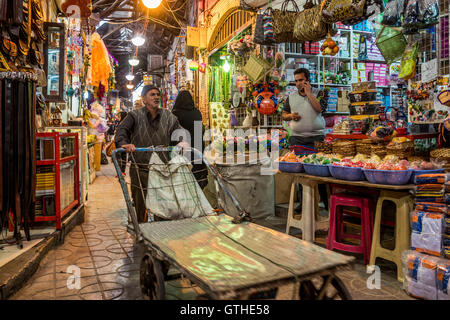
<point x="370" y="60"/>
<point x="45" y="162"/>
<point x="364" y="116"/>
<point x="347" y="136"/>
<point x="336" y="113"/>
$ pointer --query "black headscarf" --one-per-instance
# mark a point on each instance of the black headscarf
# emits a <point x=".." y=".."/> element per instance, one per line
<point x="184" y="101"/>
<point x="186" y="112"/>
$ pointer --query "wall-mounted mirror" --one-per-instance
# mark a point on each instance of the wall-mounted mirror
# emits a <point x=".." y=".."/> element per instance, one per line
<point x="54" y="61"/>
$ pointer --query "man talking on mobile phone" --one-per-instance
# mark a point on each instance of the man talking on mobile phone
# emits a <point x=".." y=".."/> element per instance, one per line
<point x="303" y="110"/>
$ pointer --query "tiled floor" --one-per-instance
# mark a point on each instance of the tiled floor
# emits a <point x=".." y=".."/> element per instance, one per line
<point x="109" y="261"/>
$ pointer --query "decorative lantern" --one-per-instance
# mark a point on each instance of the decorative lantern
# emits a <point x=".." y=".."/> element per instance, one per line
<point x="193" y="66"/>
<point x="202" y="67"/>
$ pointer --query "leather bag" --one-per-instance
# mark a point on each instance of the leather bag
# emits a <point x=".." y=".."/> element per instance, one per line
<point x="284" y="21"/>
<point x="309" y="25"/>
<point x="339" y="10"/>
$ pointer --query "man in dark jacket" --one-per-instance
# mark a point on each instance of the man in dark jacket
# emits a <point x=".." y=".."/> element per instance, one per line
<point x="189" y="116"/>
<point x="141" y="128"/>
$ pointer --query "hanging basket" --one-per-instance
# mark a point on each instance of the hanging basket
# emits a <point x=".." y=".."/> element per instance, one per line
<point x="255" y="68"/>
<point x="392" y="44"/>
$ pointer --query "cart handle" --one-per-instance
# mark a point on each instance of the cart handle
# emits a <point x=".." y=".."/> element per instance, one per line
<point x="243" y="215"/>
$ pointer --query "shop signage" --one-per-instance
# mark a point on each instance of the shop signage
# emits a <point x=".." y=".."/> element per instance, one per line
<point x="196" y="37"/>
<point x="148" y="80"/>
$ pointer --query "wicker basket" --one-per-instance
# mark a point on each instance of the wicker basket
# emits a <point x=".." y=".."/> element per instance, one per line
<point x="379" y="150"/>
<point x="344" y="148"/>
<point x="401" y="150"/>
<point x="324" y="147"/>
<point x="417" y="158"/>
<point x="442" y="154"/>
<point x="364" y="146"/>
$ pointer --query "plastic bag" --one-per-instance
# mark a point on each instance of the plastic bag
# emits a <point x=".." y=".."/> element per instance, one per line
<point x="408" y="64"/>
<point x="430" y="12"/>
<point x="412" y="16"/>
<point x="391" y="15"/>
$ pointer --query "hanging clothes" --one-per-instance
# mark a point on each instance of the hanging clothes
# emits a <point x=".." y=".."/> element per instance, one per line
<point x="17" y="146"/>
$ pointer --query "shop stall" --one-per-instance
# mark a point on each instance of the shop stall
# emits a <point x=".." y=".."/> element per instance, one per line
<point x="384" y="71"/>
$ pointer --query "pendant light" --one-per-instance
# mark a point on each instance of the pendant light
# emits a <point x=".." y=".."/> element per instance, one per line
<point x="138" y="40"/>
<point x="133" y="61"/>
<point x="151" y="4"/>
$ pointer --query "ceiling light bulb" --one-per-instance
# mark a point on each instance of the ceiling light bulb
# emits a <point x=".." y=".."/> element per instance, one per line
<point x="129" y="77"/>
<point x="130" y="86"/>
<point x="151" y="4"/>
<point x="133" y="62"/>
<point x="138" y="41"/>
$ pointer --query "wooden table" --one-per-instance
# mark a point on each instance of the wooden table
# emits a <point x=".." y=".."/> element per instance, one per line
<point x="310" y="197"/>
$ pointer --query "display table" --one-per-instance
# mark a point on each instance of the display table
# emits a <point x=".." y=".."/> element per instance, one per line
<point x="310" y="198"/>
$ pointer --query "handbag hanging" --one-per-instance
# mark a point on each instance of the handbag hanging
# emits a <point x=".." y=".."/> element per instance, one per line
<point x="340" y="10"/>
<point x="269" y="37"/>
<point x="258" y="33"/>
<point x="284" y="21"/>
<point x="263" y="33"/>
<point x="309" y="25"/>
<point x="371" y="8"/>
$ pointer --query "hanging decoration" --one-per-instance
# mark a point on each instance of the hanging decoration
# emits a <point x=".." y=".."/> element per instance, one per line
<point x="101" y="66"/>
<point x="202" y="67"/>
<point x="266" y="101"/>
<point x="242" y="46"/>
<point x="193" y="66"/>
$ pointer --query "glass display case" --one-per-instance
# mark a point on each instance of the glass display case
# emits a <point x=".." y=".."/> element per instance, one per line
<point x="57" y="176"/>
<point x="82" y="155"/>
<point x="54" y="61"/>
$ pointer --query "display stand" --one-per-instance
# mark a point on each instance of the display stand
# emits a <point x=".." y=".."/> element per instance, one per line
<point x="57" y="190"/>
<point x="83" y="155"/>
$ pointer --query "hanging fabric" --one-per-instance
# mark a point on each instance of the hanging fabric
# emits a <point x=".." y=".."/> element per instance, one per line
<point x="17" y="146"/>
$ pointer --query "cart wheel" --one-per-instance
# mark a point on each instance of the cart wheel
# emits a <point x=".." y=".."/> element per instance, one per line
<point x="328" y="287"/>
<point x="152" y="278"/>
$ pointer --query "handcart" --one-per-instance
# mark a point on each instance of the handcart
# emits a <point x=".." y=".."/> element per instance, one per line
<point x="232" y="258"/>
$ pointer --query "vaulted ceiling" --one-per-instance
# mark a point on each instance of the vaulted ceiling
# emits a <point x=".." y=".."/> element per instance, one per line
<point x="120" y="20"/>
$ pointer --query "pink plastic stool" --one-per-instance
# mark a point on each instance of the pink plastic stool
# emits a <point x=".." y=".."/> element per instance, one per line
<point x="335" y="232"/>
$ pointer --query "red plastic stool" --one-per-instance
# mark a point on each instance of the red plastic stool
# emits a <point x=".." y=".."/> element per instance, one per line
<point x="335" y="233"/>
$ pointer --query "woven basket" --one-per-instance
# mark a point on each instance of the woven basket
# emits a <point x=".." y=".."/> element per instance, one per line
<point x="323" y="147"/>
<point x="344" y="148"/>
<point x="440" y="153"/>
<point x="364" y="146"/>
<point x="417" y="158"/>
<point x="401" y="150"/>
<point x="255" y="68"/>
<point x="379" y="150"/>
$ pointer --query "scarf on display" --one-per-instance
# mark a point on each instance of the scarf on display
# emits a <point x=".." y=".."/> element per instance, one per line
<point x="18" y="142"/>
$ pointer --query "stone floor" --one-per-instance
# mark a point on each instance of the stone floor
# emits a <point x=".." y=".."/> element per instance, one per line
<point x="109" y="261"/>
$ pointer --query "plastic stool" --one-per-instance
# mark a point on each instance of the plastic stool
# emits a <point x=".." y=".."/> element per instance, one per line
<point x="291" y="221"/>
<point x="335" y="233"/>
<point x="404" y="204"/>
